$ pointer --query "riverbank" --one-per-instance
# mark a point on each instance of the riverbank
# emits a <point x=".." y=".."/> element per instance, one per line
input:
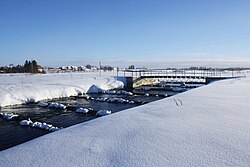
<point x="207" y="126"/>
<point x="25" y="88"/>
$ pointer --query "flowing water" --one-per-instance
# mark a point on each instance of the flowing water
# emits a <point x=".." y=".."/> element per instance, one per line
<point x="11" y="133"/>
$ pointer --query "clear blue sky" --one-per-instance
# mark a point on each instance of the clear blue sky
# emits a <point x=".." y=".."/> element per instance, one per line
<point x="56" y="32"/>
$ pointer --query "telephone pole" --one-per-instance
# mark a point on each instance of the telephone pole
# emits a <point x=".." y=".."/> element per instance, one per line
<point x="100" y="65"/>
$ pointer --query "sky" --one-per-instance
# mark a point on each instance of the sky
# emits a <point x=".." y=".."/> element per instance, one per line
<point x="123" y="32"/>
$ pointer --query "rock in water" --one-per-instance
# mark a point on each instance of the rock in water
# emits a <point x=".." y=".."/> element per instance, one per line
<point x="42" y="104"/>
<point x="26" y="122"/>
<point x="103" y="112"/>
<point x="82" y="110"/>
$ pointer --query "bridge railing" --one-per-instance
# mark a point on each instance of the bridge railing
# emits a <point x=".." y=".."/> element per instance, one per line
<point x="177" y="73"/>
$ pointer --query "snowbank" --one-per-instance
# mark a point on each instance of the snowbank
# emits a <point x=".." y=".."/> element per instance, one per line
<point x="94" y="89"/>
<point x="23" y="88"/>
<point x="207" y="126"/>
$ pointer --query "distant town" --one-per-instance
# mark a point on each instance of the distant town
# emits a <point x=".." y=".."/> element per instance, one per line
<point x="33" y="67"/>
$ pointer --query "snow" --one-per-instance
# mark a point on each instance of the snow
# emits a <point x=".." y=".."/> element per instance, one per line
<point x="115" y="92"/>
<point x="8" y="116"/>
<point x="26" y="122"/>
<point x="42" y="104"/>
<point x="110" y="100"/>
<point x="207" y="126"/>
<point x="117" y="100"/>
<point x="39" y="125"/>
<point x="25" y="88"/>
<point x="44" y="126"/>
<point x="94" y="89"/>
<point x="82" y="110"/>
<point x="103" y="112"/>
<point x="57" y="106"/>
<point x="110" y="92"/>
<point x="165" y="95"/>
<point x="126" y="93"/>
<point x="101" y="99"/>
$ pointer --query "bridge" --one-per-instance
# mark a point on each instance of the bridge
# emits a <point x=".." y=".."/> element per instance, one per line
<point x="204" y="76"/>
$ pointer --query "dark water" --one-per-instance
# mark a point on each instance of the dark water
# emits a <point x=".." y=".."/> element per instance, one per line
<point x="11" y="133"/>
<point x="155" y="92"/>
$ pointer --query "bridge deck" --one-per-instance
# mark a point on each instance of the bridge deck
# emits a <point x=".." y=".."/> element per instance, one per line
<point x="182" y="73"/>
<point x="188" y="76"/>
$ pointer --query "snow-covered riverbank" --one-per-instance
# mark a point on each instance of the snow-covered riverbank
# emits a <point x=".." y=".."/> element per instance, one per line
<point x="22" y="88"/>
<point x="207" y="126"/>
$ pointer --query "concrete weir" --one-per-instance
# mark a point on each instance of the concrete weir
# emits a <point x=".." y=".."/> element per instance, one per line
<point x="174" y="76"/>
<point x="127" y="81"/>
<point x="130" y="81"/>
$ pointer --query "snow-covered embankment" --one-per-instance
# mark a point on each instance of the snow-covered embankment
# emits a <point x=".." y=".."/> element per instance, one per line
<point x="23" y="88"/>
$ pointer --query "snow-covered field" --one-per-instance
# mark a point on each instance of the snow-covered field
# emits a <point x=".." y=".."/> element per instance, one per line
<point x="23" y="88"/>
<point x="207" y="126"/>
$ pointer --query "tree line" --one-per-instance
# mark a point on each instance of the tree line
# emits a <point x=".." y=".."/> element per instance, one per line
<point x="28" y="67"/>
